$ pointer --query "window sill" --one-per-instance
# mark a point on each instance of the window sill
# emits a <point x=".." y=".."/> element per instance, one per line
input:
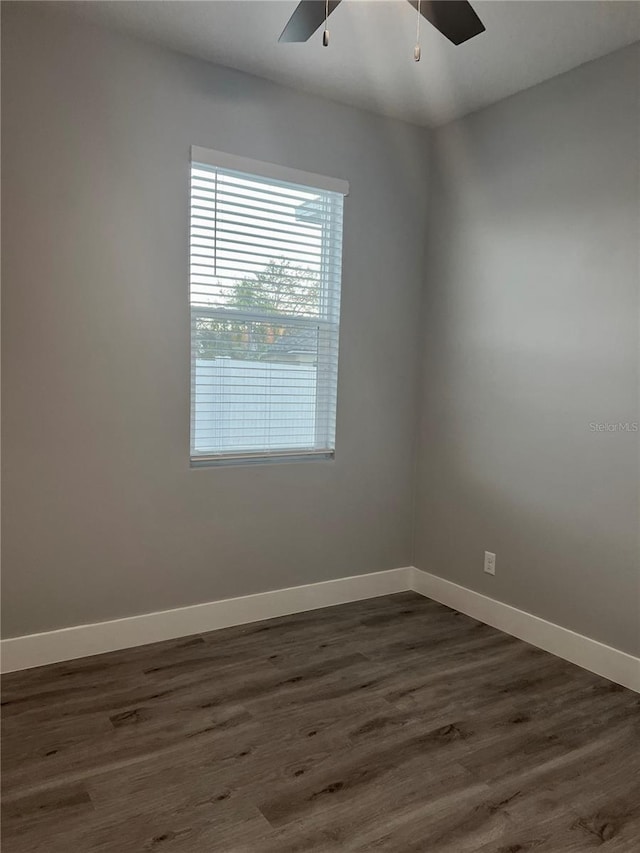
<point x="219" y="461"/>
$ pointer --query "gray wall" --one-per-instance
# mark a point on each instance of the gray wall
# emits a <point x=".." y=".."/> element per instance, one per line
<point x="102" y="515"/>
<point x="531" y="334"/>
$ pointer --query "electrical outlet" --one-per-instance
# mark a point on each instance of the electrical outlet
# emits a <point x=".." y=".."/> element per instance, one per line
<point x="489" y="563"/>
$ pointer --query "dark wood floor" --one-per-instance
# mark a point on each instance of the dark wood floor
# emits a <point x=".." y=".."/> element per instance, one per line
<point x="393" y="724"/>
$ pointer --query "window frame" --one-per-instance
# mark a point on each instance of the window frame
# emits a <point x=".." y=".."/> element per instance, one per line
<point x="266" y="171"/>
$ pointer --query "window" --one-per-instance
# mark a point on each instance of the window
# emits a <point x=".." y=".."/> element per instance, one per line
<point x="265" y="266"/>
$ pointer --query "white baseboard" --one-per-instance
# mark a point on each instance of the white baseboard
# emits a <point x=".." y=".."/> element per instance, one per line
<point x="84" y="640"/>
<point x="94" y="639"/>
<point x="590" y="654"/>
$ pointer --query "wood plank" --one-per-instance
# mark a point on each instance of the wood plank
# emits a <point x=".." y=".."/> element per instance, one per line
<point x="393" y="724"/>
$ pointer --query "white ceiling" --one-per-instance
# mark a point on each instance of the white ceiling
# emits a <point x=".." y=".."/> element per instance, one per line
<point x="369" y="60"/>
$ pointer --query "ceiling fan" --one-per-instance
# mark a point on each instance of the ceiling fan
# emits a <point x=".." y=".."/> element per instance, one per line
<point x="454" y="18"/>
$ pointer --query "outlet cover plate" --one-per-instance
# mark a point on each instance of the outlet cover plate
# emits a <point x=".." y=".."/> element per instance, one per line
<point x="489" y="563"/>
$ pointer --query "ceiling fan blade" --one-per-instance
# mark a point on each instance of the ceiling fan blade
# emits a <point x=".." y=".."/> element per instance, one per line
<point x="454" y="18"/>
<point x="306" y="19"/>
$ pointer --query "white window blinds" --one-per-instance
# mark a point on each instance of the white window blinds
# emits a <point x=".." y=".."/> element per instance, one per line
<point x="265" y="264"/>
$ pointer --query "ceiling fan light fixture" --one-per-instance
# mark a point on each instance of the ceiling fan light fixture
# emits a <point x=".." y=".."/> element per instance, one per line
<point x="455" y="19"/>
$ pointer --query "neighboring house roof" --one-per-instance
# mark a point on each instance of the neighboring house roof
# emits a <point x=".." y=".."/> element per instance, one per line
<point x="298" y="344"/>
